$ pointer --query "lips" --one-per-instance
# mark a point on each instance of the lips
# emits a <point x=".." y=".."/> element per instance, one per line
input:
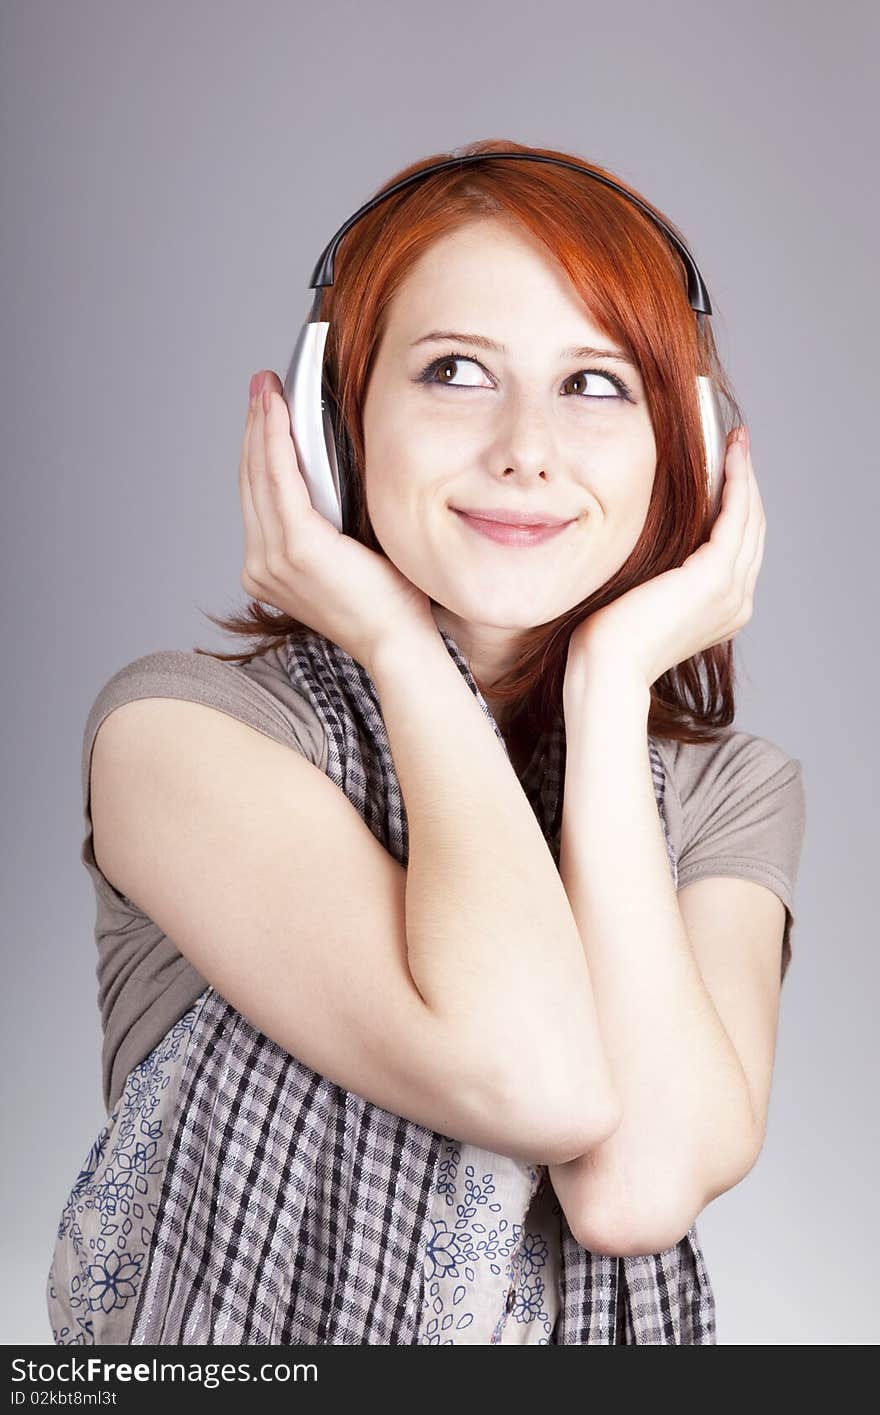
<point x="514" y="534"/>
<point x="500" y="516"/>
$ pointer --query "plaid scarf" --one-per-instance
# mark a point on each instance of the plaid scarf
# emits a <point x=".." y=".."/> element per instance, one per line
<point x="294" y="1212"/>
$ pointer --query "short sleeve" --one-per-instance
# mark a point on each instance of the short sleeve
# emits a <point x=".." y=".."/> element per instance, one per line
<point x="742" y="812"/>
<point x="258" y="693"/>
<point x="144" y="983"/>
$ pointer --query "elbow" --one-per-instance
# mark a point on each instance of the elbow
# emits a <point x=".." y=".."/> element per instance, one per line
<point x="585" y="1115"/>
<point x="560" y="1130"/>
<point x="575" y="1139"/>
<point x="656" y="1220"/>
<point x="546" y="1110"/>
<point x="657" y="1229"/>
<point x="647" y="1217"/>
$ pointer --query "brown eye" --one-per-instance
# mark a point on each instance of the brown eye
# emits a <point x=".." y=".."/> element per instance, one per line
<point x="443" y="371"/>
<point x="438" y="371"/>
<point x="614" y="387"/>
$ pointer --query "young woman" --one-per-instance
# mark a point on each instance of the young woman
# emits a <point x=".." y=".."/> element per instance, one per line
<point x="446" y="1025"/>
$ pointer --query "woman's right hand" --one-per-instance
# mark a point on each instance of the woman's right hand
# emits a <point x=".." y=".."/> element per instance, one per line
<point x="295" y="560"/>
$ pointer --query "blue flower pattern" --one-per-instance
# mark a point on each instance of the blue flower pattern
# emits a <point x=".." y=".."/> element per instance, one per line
<point x="104" y="1236"/>
<point x="489" y="1279"/>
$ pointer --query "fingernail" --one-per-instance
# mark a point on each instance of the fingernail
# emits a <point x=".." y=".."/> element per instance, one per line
<point x="255" y="383"/>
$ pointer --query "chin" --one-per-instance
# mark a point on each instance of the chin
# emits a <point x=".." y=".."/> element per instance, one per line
<point x="503" y="618"/>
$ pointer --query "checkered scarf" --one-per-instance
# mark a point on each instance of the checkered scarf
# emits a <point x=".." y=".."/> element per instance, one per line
<point x="295" y="1212"/>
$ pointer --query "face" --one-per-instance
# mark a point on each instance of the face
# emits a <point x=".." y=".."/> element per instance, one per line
<point x="527" y="426"/>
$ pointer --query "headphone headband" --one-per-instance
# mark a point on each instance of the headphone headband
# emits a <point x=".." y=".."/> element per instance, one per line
<point x="323" y="273"/>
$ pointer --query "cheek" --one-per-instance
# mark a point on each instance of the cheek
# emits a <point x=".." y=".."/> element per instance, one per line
<point x="382" y="466"/>
<point x="393" y="506"/>
<point x="383" y="512"/>
<point x="622" y="484"/>
<point x="625" y="495"/>
<point x="634" y="480"/>
<point x="630" y="520"/>
<point x="403" y="476"/>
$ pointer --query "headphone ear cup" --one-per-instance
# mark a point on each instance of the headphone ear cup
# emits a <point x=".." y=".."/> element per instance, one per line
<point x="345" y="464"/>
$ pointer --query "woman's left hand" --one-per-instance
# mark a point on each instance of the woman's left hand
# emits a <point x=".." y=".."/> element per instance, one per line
<point x="705" y="601"/>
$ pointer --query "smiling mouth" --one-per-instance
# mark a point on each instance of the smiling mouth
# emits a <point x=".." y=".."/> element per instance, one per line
<point x="513" y="535"/>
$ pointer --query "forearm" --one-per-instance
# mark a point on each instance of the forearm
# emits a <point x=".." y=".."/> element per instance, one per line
<point x="493" y="945"/>
<point x="674" y="1067"/>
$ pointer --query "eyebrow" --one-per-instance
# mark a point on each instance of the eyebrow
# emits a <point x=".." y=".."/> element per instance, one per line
<point x="579" y="351"/>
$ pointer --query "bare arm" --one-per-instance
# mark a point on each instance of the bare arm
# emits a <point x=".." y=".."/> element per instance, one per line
<point x="687" y="1120"/>
<point x="492" y="942"/>
<point x="454" y="992"/>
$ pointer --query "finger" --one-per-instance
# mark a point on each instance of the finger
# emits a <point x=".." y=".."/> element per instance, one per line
<point x="279" y="491"/>
<point x="729" y="528"/>
<point x="254" y="551"/>
<point x="261" y="492"/>
<point x="291" y="495"/>
<point x="757" y="560"/>
<point x="754" y="525"/>
<point x="281" y="458"/>
<point x="757" y="490"/>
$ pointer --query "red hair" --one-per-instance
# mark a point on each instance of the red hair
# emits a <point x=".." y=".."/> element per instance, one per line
<point x="634" y="284"/>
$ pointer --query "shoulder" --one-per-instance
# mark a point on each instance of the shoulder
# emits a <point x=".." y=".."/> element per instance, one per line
<point x="259" y="693"/>
<point x="735" y="805"/>
<point x="736" y="760"/>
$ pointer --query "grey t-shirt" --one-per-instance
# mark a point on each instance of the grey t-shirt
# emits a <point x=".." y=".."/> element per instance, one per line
<point x="734" y="807"/>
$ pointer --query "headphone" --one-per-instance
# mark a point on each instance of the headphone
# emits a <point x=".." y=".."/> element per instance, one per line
<point x="315" y="437"/>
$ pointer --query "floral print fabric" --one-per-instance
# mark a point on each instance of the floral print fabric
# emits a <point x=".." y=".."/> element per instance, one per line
<point x="489" y="1279"/>
<point x="103" y="1239"/>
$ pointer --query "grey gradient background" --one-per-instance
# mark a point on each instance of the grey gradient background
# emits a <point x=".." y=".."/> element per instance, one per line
<point x="169" y="176"/>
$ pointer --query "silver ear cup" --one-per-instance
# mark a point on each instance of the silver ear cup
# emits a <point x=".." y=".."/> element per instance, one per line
<point x="310" y="422"/>
<point x="714" y="440"/>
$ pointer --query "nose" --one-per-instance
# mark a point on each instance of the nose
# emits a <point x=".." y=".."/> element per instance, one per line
<point x="524" y="441"/>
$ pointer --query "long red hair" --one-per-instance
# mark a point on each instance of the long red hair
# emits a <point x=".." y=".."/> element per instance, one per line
<point x="634" y="284"/>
